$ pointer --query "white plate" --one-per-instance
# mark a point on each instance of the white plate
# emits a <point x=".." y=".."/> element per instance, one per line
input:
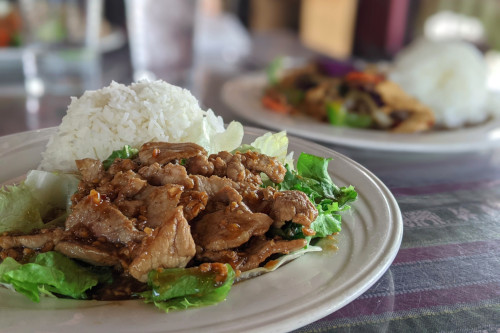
<point x="297" y="294"/>
<point x="243" y="93"/>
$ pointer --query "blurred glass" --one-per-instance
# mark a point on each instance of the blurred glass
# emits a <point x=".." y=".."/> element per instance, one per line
<point x="61" y="39"/>
<point x="161" y="35"/>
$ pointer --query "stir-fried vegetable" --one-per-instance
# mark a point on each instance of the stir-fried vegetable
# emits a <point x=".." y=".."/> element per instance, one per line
<point x="339" y="116"/>
<point x="273" y="70"/>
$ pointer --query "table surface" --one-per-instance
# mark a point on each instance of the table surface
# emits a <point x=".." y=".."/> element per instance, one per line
<point x="446" y="276"/>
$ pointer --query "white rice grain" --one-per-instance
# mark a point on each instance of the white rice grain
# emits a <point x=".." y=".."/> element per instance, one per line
<point x="107" y="119"/>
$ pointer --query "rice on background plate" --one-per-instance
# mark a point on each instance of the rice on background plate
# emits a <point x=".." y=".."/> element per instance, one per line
<point x="450" y="77"/>
<point x="104" y="120"/>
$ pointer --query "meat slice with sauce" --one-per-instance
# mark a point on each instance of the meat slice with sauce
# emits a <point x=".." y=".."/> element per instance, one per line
<point x="213" y="184"/>
<point x="194" y="202"/>
<point x="253" y="254"/>
<point x="293" y="206"/>
<point x="164" y="152"/>
<point x="238" y="167"/>
<point x="262" y="163"/>
<point x="103" y="219"/>
<point x="91" y="170"/>
<point x="127" y="184"/>
<point x="33" y="241"/>
<point x="260" y="249"/>
<point x="170" y="245"/>
<point x="161" y="201"/>
<point x="88" y="253"/>
<point x="168" y="174"/>
<point x="229" y="228"/>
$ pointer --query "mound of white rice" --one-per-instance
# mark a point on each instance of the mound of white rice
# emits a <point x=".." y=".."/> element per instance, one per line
<point x="449" y="77"/>
<point x="107" y="119"/>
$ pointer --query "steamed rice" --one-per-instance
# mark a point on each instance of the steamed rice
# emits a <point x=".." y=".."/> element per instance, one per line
<point x="449" y="77"/>
<point x="107" y="119"/>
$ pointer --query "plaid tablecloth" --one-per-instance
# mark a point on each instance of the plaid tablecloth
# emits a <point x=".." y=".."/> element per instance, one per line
<point x="446" y="276"/>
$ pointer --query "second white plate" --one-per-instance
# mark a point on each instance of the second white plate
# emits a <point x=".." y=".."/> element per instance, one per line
<point x="243" y="94"/>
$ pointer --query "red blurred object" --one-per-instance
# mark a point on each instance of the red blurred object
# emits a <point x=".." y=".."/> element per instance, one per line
<point x="381" y="27"/>
<point x="363" y="77"/>
<point x="10" y="28"/>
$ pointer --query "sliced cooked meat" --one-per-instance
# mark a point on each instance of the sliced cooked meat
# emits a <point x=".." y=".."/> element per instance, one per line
<point x="168" y="174"/>
<point x="128" y="183"/>
<point x="103" y="219"/>
<point x="164" y="152"/>
<point x="260" y="249"/>
<point x="92" y="170"/>
<point x="193" y="202"/>
<point x="87" y="253"/>
<point x="200" y="165"/>
<point x="129" y="208"/>
<point x="235" y="169"/>
<point x="122" y="165"/>
<point x="229" y="228"/>
<point x="256" y="162"/>
<point x="225" y="256"/>
<point x="34" y="241"/>
<point x="220" y="161"/>
<point x="170" y="245"/>
<point x="212" y="185"/>
<point x="223" y="164"/>
<point x="259" y="199"/>
<point x="107" y="190"/>
<point x="227" y="194"/>
<point x="293" y="206"/>
<point x="160" y="202"/>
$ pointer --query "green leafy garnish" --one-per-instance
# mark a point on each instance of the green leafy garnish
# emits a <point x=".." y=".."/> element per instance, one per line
<point x="273" y="70"/>
<point x="338" y="115"/>
<point x="42" y="197"/>
<point x="125" y="152"/>
<point x="49" y="273"/>
<point x="182" y="288"/>
<point x="19" y="210"/>
<point x="312" y="178"/>
<point x="293" y="96"/>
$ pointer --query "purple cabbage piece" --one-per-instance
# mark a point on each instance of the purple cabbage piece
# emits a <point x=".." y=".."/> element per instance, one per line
<point x="335" y="68"/>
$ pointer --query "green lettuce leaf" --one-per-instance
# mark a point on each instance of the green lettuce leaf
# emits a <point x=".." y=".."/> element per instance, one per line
<point x="43" y="196"/>
<point x="52" y="190"/>
<point x="19" y="210"/>
<point x="316" y="168"/>
<point x="50" y="272"/>
<point x="273" y="70"/>
<point x="338" y="115"/>
<point x="182" y="288"/>
<point x="328" y="220"/>
<point x="275" y="145"/>
<point x="125" y="152"/>
<point x="312" y="178"/>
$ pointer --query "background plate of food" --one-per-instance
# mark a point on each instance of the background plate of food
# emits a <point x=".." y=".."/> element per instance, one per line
<point x="425" y="101"/>
<point x="300" y="292"/>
